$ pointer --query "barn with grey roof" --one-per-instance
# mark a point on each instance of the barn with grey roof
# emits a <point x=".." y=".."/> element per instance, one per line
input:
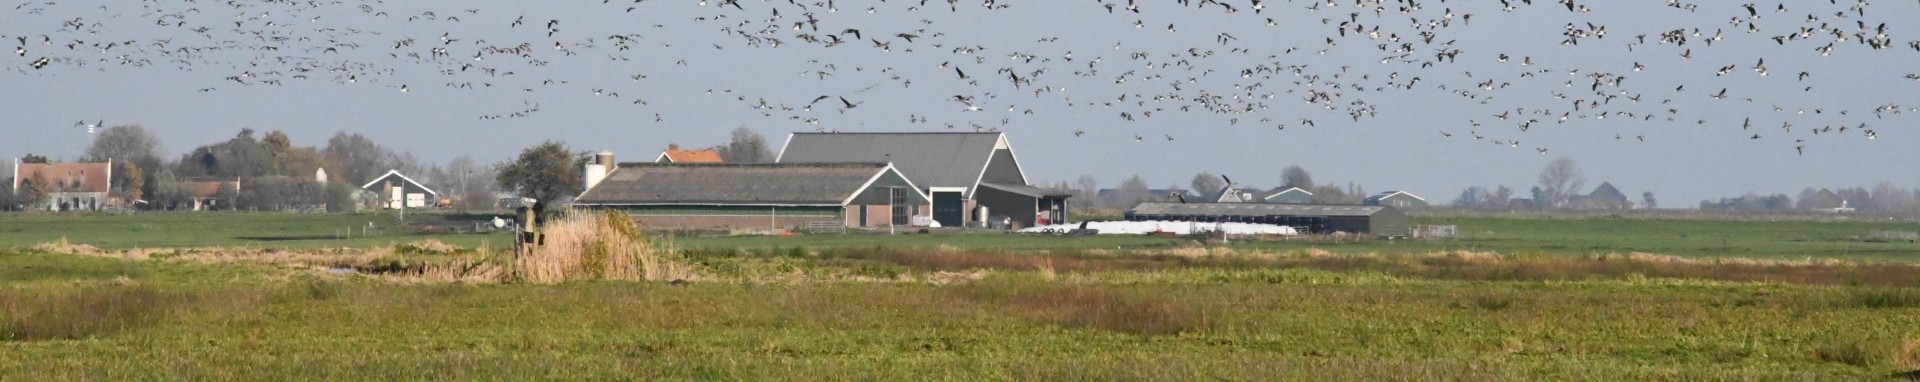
<point x="786" y="195"/>
<point x="960" y="172"/>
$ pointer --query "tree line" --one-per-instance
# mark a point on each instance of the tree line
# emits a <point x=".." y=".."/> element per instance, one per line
<point x="273" y="172"/>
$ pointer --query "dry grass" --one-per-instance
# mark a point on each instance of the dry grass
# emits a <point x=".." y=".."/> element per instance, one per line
<point x="604" y="246"/>
<point x="1079" y="306"/>
<point x="78" y="313"/>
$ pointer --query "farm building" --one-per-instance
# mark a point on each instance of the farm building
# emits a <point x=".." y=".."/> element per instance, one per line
<point x="973" y="178"/>
<point x="1401" y="199"/>
<point x="397" y="191"/>
<point x="766" y="195"/>
<point x="204" y="194"/>
<point x="71" y="186"/>
<point x="1604" y="197"/>
<point x="1309" y="218"/>
<point x="1292" y="195"/>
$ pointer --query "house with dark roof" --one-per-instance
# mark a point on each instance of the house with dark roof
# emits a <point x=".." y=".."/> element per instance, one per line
<point x="1823" y="199"/>
<point x="1603" y="197"/>
<point x="973" y="179"/>
<point x="70" y="186"/>
<point x="761" y="195"/>
<point x="1312" y="218"/>
<point x="396" y="191"/>
<point x="1291" y="195"/>
<point x="1400" y="199"/>
<point x="674" y="154"/>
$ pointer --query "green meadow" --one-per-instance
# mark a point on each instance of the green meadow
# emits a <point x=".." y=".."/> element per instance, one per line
<point x="1512" y="299"/>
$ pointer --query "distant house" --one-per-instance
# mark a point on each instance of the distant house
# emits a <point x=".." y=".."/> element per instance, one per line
<point x="1312" y="218"/>
<point x="395" y="191"/>
<point x="1823" y="199"/>
<point x="973" y="178"/>
<point x="763" y="195"/>
<point x="204" y="194"/>
<point x="73" y="186"/>
<point x="1604" y="197"/>
<point x="1292" y="195"/>
<point x="1401" y="199"/>
<point x="675" y="155"/>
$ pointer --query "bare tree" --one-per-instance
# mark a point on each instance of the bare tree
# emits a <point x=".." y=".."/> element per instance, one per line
<point x="127" y="145"/>
<point x="1088" y="196"/>
<point x="1294" y="176"/>
<point x="467" y="182"/>
<point x="356" y="159"/>
<point x="1130" y="192"/>
<point x="746" y="146"/>
<point x="1559" y="181"/>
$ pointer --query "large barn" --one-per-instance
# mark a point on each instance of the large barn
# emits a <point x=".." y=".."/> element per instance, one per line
<point x="1310" y="218"/>
<point x="768" y="195"/>
<point x="961" y="172"/>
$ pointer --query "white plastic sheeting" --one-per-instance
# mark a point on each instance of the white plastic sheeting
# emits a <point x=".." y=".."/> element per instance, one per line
<point x="1178" y="228"/>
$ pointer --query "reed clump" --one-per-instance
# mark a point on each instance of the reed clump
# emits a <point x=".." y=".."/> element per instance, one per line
<point x="605" y="246"/>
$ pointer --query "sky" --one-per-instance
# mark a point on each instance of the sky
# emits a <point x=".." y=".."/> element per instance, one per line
<point x="1166" y="92"/>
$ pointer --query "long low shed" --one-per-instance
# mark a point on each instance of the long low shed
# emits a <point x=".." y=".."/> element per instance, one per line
<point x="701" y="195"/>
<point x="1311" y="218"/>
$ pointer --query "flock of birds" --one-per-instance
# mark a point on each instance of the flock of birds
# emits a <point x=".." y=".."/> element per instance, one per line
<point x="948" y="65"/>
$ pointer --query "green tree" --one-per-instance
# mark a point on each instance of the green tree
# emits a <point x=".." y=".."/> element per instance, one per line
<point x="544" y="172"/>
<point x="33" y="158"/>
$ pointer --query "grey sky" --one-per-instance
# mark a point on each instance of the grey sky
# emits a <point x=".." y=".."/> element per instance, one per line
<point x="1399" y="146"/>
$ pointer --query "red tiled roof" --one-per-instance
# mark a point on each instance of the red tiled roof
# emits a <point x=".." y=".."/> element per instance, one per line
<point x="206" y="188"/>
<point x="68" y="177"/>
<point x="693" y="156"/>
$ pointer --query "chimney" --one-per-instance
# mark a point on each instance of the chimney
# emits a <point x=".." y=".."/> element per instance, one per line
<point x="598" y="170"/>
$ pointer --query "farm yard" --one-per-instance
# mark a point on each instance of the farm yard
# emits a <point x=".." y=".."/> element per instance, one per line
<point x="254" y="296"/>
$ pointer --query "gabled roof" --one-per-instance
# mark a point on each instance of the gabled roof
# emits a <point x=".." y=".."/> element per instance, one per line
<point x="1287" y="191"/>
<point x="1254" y="209"/>
<point x="207" y="188"/>
<point x="1389" y="194"/>
<point x="1607" y="191"/>
<point x="929" y="159"/>
<point x="673" y="155"/>
<point x="383" y="178"/>
<point x="67" y="177"/>
<point x="775" y="184"/>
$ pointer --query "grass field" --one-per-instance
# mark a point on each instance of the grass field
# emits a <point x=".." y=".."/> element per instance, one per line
<point x="1533" y="299"/>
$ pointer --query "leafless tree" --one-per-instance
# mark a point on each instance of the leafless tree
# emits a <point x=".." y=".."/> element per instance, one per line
<point x="1088" y="195"/>
<point x="126" y="145"/>
<point x="746" y="146"/>
<point x="1561" y="180"/>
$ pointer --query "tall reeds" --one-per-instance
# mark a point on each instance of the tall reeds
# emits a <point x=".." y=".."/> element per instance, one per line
<point x="606" y="246"/>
